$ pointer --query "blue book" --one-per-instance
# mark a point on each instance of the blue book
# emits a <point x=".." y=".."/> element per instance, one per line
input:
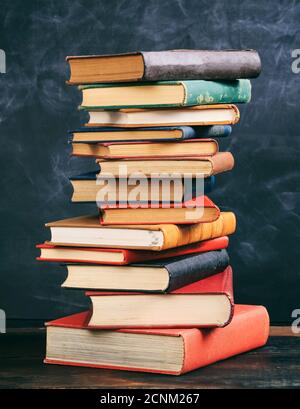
<point x="159" y="134"/>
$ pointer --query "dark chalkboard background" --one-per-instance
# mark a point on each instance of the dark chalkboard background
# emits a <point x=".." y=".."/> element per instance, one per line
<point x="36" y="109"/>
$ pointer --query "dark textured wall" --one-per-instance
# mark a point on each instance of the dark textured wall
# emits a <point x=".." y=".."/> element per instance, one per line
<point x="37" y="108"/>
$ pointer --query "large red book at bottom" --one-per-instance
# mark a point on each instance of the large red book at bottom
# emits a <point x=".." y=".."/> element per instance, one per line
<point x="169" y="351"/>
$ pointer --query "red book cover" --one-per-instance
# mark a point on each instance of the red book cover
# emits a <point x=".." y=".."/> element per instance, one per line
<point x="249" y="329"/>
<point x="132" y="256"/>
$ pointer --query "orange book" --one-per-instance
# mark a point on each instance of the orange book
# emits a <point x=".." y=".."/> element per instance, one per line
<point x="86" y="231"/>
<point x="169" y="351"/>
<point x="198" y="210"/>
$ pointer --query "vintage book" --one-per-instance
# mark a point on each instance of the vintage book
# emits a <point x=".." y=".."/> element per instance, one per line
<point x="88" y="187"/>
<point x="83" y="231"/>
<point x="222" y="114"/>
<point x="169" y="351"/>
<point x="89" y="134"/>
<point x="204" y="303"/>
<point x="152" y="150"/>
<point x="165" y="65"/>
<point x="164" y="94"/>
<point x="156" y="275"/>
<point x="192" y="166"/>
<point x="97" y="255"/>
<point x="198" y="210"/>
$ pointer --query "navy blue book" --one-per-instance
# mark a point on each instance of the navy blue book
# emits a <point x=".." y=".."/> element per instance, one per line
<point x="159" y="134"/>
<point x="160" y="276"/>
<point x="85" y="189"/>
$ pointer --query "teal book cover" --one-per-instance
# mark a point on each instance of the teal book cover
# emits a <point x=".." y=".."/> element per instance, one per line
<point x="192" y="93"/>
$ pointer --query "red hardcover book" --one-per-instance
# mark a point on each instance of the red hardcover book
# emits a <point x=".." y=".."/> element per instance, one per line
<point x="122" y="256"/>
<point x="205" y="303"/>
<point x="198" y="210"/>
<point x="166" y="351"/>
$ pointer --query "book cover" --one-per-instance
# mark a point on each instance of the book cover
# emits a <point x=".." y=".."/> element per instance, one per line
<point x="194" y="93"/>
<point x="200" y="147"/>
<point x="154" y="276"/>
<point x="88" y="134"/>
<point x="197" y="210"/>
<point x="184" y="270"/>
<point x="165" y="65"/>
<point x="200" y="115"/>
<point x="173" y="235"/>
<point x="89" y="193"/>
<point x="145" y="310"/>
<point x="192" y="166"/>
<point x="249" y="329"/>
<point x="87" y="254"/>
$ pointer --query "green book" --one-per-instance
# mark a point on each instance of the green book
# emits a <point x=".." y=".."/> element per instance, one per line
<point x="164" y="94"/>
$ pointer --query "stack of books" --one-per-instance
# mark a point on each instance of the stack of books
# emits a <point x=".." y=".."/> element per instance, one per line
<point x="153" y="258"/>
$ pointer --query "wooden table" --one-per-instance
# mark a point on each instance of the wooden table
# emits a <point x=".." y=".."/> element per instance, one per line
<point x="275" y="366"/>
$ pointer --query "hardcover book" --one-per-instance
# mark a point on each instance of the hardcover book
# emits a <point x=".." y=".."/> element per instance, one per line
<point x="83" y="231"/>
<point x="94" y="134"/>
<point x="87" y="188"/>
<point x="222" y="114"/>
<point x="165" y="65"/>
<point x="146" y="150"/>
<point x="70" y="341"/>
<point x="123" y="256"/>
<point x="205" y="303"/>
<point x="193" y="166"/>
<point x="164" y="94"/>
<point x="156" y="276"/>
<point x="198" y="210"/>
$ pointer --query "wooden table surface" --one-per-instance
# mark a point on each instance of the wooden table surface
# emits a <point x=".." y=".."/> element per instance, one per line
<point x="277" y="365"/>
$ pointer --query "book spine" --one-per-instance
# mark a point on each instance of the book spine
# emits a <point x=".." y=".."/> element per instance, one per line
<point x="198" y="267"/>
<point x="200" y="92"/>
<point x="216" y="92"/>
<point x="200" y="64"/>
<point x="214" y="131"/>
<point x="188" y="132"/>
<point x="181" y="235"/>
<point x="245" y="332"/>
<point x="222" y="162"/>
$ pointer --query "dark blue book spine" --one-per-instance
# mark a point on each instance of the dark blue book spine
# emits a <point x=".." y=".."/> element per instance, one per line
<point x="214" y="131"/>
<point x="195" y="268"/>
<point x="190" y="189"/>
<point x="184" y="270"/>
<point x="187" y="133"/>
